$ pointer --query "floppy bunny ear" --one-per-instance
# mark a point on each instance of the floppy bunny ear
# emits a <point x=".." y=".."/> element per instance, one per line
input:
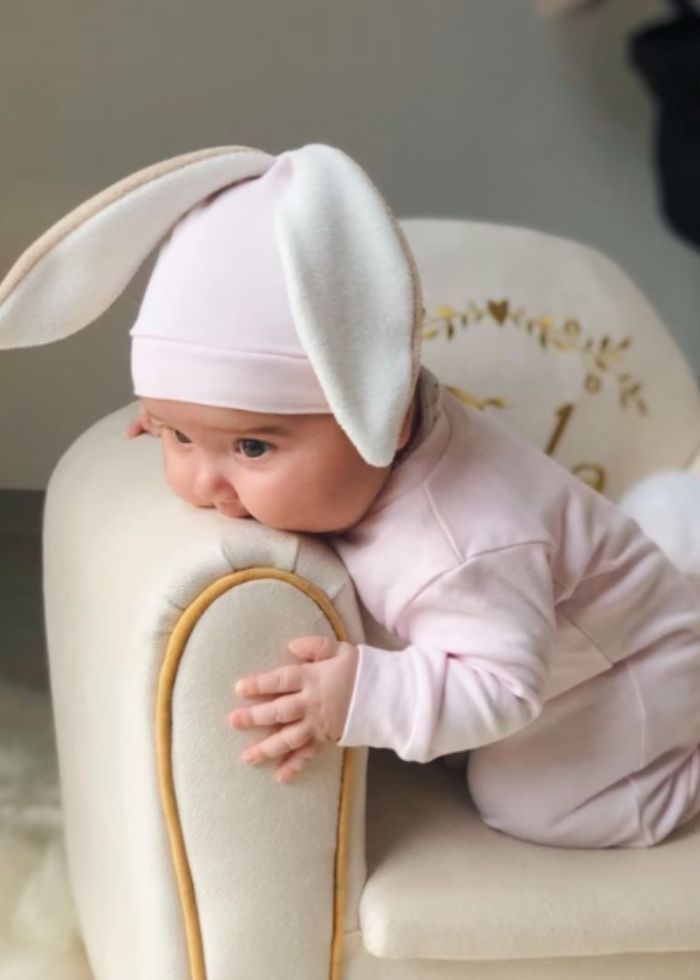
<point x="354" y="294"/>
<point x="79" y="267"/>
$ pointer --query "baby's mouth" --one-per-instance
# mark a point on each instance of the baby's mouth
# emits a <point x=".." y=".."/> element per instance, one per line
<point x="231" y="509"/>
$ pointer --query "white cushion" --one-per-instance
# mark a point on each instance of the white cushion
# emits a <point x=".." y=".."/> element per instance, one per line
<point x="441" y="885"/>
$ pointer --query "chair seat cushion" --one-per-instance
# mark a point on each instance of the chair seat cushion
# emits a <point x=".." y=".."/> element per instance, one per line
<point x="442" y="885"/>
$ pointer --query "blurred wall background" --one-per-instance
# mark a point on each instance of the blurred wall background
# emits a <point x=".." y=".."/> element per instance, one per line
<point x="456" y="107"/>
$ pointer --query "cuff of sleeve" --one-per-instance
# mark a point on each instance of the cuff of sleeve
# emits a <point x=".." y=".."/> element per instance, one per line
<point x="377" y="716"/>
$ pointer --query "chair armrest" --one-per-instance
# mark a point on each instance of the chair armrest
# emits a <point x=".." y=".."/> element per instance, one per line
<point x="183" y="861"/>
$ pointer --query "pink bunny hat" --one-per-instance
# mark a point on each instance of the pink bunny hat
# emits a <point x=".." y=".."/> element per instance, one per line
<point x="284" y="285"/>
<point x="215" y="325"/>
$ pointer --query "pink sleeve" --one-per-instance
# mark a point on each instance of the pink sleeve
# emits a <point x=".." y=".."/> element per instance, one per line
<point x="474" y="673"/>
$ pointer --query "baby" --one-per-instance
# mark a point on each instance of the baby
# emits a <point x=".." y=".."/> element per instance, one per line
<point x="298" y="473"/>
<point x="276" y="354"/>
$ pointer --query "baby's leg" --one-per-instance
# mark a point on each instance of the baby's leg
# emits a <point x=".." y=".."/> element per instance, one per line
<point x="597" y="768"/>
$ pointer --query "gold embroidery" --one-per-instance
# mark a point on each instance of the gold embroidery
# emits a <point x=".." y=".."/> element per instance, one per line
<point x="499" y="311"/>
<point x="600" y="355"/>
<point x="564" y="414"/>
<point x="592" y="474"/>
<point x="473" y="401"/>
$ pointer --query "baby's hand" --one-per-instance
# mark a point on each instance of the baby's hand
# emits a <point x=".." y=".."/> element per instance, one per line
<point x="313" y="710"/>
<point x="142" y="423"/>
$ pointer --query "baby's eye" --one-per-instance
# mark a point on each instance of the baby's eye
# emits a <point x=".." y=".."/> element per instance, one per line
<point x="253" y="448"/>
<point x="181" y="437"/>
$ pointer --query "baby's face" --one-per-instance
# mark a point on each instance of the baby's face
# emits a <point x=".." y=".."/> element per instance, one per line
<point x="293" y="472"/>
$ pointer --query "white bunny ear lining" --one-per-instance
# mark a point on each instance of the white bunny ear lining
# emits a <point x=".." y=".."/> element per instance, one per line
<point x="79" y="267"/>
<point x="353" y="294"/>
<point x="87" y="210"/>
<point x="359" y="328"/>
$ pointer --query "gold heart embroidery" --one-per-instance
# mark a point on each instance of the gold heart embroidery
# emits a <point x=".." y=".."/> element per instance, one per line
<point x="499" y="311"/>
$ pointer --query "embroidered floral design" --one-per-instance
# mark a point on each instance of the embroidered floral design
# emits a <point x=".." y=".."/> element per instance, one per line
<point x="472" y="401"/>
<point x="601" y="355"/>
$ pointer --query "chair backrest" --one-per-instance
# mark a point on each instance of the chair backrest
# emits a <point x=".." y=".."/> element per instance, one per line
<point x="556" y="336"/>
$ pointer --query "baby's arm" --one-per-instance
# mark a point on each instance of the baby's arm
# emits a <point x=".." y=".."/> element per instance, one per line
<point x="480" y="638"/>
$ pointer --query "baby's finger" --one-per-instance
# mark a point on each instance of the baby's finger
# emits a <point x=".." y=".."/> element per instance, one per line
<point x="289" y="738"/>
<point x="282" y="680"/>
<point x="296" y="761"/>
<point x="313" y="647"/>
<point x="135" y="429"/>
<point x="277" y="711"/>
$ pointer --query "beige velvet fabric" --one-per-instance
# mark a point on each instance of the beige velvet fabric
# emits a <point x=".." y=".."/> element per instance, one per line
<point x="494" y="897"/>
<point x="668" y="966"/>
<point x="123" y="558"/>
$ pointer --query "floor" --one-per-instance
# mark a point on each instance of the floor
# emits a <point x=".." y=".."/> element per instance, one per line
<point x="22" y="646"/>
<point x="38" y="932"/>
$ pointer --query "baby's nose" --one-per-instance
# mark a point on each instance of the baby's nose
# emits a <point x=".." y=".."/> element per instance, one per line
<point x="211" y="485"/>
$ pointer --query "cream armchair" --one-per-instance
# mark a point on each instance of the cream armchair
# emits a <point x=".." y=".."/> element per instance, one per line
<point x="185" y="864"/>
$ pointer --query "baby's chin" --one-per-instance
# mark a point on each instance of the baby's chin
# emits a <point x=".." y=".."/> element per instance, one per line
<point x="311" y="526"/>
<point x="329" y="522"/>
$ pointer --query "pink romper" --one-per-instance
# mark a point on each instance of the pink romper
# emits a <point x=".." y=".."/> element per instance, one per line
<point x="544" y="632"/>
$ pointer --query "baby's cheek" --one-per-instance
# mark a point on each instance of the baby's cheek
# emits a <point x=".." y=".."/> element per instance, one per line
<point x="272" y="499"/>
<point x="179" y="480"/>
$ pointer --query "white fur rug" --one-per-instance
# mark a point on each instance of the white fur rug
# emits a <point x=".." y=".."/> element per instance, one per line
<point x="39" y="938"/>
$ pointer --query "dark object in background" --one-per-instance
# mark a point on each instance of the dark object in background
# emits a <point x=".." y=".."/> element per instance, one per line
<point x="23" y="659"/>
<point x="667" y="55"/>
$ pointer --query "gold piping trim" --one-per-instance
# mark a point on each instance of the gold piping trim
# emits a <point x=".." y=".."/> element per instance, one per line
<point x="166" y="681"/>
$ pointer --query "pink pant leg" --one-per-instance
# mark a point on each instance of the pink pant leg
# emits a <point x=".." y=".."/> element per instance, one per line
<point x="613" y="762"/>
